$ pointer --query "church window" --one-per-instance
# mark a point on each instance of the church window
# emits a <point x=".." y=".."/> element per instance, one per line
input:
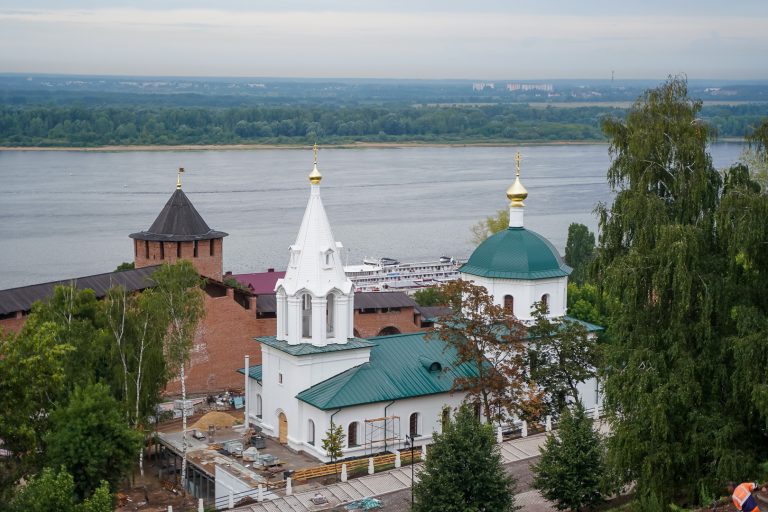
<point x="306" y="316"/>
<point x="311" y="432"/>
<point x="509" y="305"/>
<point x="178" y="249"/>
<point x="413" y="424"/>
<point x="280" y="378"/>
<point x="330" y="303"/>
<point x="162" y="250"/>
<point x="258" y="406"/>
<point x="545" y="301"/>
<point x="195" y="251"/>
<point x="352" y="434"/>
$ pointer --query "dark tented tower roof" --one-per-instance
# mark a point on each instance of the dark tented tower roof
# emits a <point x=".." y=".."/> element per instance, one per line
<point x="178" y="222"/>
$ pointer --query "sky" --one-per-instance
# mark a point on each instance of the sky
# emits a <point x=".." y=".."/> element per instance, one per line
<point x="479" y="40"/>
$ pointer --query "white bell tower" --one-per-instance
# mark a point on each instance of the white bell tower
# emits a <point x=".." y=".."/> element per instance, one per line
<point x="315" y="299"/>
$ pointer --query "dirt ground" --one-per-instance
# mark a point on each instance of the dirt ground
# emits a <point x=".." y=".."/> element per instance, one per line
<point x="134" y="497"/>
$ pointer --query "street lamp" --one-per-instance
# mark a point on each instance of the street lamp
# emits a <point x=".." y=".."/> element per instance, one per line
<point x="409" y="441"/>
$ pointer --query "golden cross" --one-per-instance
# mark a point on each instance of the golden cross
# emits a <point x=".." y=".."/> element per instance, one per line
<point x="517" y="162"/>
<point x="314" y="149"/>
<point x="178" y="177"/>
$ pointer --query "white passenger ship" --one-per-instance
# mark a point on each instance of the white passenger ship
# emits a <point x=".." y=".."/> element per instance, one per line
<point x="387" y="274"/>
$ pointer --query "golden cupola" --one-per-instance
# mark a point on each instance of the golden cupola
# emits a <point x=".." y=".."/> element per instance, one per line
<point x="315" y="176"/>
<point x="517" y="192"/>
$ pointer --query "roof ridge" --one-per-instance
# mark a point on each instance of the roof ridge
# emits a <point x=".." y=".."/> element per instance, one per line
<point x="70" y="279"/>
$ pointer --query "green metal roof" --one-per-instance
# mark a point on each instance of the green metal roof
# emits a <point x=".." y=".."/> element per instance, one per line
<point x="590" y="327"/>
<point x="395" y="371"/>
<point x="254" y="372"/>
<point x="516" y="253"/>
<point x="306" y="349"/>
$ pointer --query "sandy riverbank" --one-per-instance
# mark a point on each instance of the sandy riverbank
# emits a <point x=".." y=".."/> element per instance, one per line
<point x="355" y="145"/>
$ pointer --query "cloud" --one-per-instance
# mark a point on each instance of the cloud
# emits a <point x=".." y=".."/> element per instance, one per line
<point x="384" y="44"/>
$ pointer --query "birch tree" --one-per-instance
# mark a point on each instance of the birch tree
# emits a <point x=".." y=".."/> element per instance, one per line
<point x="179" y="295"/>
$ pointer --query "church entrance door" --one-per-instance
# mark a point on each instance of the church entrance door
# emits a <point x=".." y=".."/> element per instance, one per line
<point x="283" y="432"/>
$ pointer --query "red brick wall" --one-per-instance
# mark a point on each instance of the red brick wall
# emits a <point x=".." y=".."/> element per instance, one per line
<point x="224" y="338"/>
<point x="13" y="324"/>
<point x="370" y="324"/>
<point x="207" y="265"/>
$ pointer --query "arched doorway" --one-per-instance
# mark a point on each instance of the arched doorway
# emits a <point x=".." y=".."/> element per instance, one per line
<point x="389" y="331"/>
<point x="283" y="432"/>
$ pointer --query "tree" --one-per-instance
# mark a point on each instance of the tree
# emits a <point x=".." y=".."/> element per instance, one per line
<point x="490" y="225"/>
<point x="90" y="438"/>
<point x="334" y="442"/>
<point x="579" y="252"/>
<point x="562" y="355"/>
<point x="32" y="365"/>
<point x="492" y="342"/>
<point x="136" y="329"/>
<point x="464" y="471"/>
<point x="430" y="297"/>
<point x="680" y="269"/>
<point x="125" y="266"/>
<point x="570" y="471"/>
<point x="55" y="491"/>
<point x="179" y="296"/>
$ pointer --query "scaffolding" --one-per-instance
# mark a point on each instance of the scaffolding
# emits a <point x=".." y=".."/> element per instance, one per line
<point x="382" y="434"/>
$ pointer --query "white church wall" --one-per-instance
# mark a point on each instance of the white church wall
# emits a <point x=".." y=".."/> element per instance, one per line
<point x="526" y="292"/>
<point x="429" y="409"/>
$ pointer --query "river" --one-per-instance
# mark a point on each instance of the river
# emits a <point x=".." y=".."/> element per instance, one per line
<point x="66" y="214"/>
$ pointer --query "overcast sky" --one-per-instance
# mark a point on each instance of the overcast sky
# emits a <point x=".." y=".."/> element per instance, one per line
<point x="485" y="39"/>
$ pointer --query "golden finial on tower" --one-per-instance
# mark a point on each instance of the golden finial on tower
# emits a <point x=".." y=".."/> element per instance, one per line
<point x="178" y="178"/>
<point x="516" y="192"/>
<point x="315" y="176"/>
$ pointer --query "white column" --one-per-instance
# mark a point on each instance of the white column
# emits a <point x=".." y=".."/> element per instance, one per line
<point x="281" y="312"/>
<point x="340" y="323"/>
<point x="200" y="506"/>
<point x="499" y="437"/>
<point x="294" y="320"/>
<point x="423" y="453"/>
<point x="319" y="336"/>
<point x="288" y="486"/>
<point x="398" y="462"/>
<point x="351" y="315"/>
<point x="525" y="429"/>
<point x="247" y="385"/>
<point x="370" y="465"/>
<point x="343" y="472"/>
<point x="548" y="426"/>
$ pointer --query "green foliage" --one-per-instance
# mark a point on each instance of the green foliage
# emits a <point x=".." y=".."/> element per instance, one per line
<point x="125" y="266"/>
<point x="90" y="438"/>
<point x="430" y="297"/>
<point x="234" y="283"/>
<point x="489" y="226"/>
<point x="492" y="341"/>
<point x="463" y="471"/>
<point x="586" y="303"/>
<point x="680" y="251"/>
<point x="570" y="471"/>
<point x="54" y="491"/>
<point x="333" y="443"/>
<point x="579" y="252"/>
<point x="562" y="354"/>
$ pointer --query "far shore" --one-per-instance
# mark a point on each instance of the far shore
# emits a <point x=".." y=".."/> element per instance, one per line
<point x="353" y="145"/>
<point x="348" y="145"/>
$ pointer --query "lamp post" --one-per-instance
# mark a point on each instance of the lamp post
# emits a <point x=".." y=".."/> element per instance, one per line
<point x="409" y="441"/>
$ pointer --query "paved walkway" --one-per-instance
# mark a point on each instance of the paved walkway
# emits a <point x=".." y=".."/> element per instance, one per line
<point x="398" y="480"/>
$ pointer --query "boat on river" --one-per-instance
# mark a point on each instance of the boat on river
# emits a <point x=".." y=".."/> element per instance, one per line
<point x="389" y="274"/>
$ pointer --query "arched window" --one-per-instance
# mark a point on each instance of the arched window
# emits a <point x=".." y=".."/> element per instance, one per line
<point x="545" y="301"/>
<point x="258" y="406"/>
<point x="311" y="432"/>
<point x="389" y="331"/>
<point x="330" y="303"/>
<point x="509" y="305"/>
<point x="352" y="434"/>
<point x="413" y="424"/>
<point x="306" y="316"/>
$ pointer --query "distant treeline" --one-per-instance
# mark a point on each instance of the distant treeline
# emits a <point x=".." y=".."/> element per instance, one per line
<point x="97" y="126"/>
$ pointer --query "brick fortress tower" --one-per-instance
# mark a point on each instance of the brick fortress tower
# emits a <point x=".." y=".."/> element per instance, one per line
<point x="179" y="232"/>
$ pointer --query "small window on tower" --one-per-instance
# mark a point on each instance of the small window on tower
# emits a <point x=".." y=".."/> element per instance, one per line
<point x="178" y="249"/>
<point x="146" y="249"/>
<point x="212" y="246"/>
<point x="162" y="250"/>
<point x="195" y="252"/>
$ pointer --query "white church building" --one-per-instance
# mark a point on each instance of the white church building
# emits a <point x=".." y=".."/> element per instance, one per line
<point x="314" y="372"/>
